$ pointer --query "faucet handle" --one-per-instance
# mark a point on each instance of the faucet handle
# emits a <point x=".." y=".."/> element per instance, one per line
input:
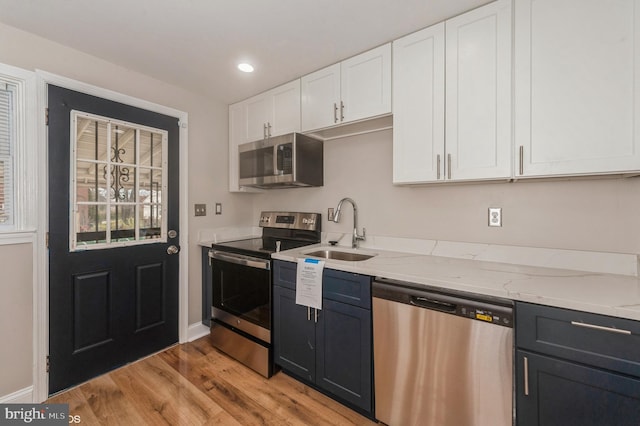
<point x="363" y="236"/>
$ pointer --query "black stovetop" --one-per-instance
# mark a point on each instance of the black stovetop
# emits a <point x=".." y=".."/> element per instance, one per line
<point x="290" y="230"/>
<point x="260" y="247"/>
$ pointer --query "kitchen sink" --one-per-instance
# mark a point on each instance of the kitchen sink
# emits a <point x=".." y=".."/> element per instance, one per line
<point x="340" y="255"/>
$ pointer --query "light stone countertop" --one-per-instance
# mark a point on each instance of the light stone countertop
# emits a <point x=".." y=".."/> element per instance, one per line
<point x="596" y="292"/>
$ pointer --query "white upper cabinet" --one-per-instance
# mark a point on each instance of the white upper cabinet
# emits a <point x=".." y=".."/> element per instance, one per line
<point x="577" y="87"/>
<point x="472" y="53"/>
<point x="478" y="93"/>
<point x="418" y="106"/>
<point x="321" y="98"/>
<point x="272" y="113"/>
<point x="355" y="89"/>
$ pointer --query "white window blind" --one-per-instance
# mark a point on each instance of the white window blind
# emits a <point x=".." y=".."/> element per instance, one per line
<point x="7" y="141"/>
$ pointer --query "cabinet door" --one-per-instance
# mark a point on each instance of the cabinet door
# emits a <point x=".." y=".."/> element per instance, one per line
<point x="237" y="132"/>
<point x="478" y="94"/>
<point x="344" y="352"/>
<point x="294" y="342"/>
<point x="366" y="84"/>
<point x="552" y="392"/>
<point x="258" y="112"/>
<point x="577" y="86"/>
<point x="237" y="135"/>
<point x="321" y="98"/>
<point x="284" y="109"/>
<point x="418" y="106"/>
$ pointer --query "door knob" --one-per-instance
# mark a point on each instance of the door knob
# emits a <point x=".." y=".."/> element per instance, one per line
<point x="172" y="249"/>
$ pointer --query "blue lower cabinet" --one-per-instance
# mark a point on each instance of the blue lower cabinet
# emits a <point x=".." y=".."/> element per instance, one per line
<point x="563" y="393"/>
<point x="331" y="348"/>
<point x="576" y="368"/>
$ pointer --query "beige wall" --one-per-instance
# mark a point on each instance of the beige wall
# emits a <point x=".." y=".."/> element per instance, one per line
<point x="594" y="214"/>
<point x="16" y="313"/>
<point x="207" y="153"/>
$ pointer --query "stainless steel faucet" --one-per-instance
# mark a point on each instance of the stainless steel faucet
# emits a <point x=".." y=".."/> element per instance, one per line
<point x="355" y="238"/>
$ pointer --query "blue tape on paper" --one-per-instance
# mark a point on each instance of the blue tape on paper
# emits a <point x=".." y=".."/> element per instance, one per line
<point x="311" y="261"/>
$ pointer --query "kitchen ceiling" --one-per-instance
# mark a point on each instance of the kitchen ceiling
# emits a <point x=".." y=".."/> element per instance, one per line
<point x="197" y="44"/>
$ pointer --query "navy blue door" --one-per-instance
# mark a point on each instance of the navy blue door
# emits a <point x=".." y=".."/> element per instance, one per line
<point x="113" y="286"/>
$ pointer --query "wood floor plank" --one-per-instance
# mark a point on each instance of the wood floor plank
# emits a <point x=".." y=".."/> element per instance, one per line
<point x="151" y="383"/>
<point x="207" y="375"/>
<point x="108" y="403"/>
<point x="195" y="384"/>
<point x="78" y="405"/>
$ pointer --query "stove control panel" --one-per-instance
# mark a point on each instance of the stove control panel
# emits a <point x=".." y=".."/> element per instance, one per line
<point x="290" y="220"/>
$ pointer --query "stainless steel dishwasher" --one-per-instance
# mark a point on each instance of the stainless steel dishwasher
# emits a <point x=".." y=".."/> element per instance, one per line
<point x="441" y="359"/>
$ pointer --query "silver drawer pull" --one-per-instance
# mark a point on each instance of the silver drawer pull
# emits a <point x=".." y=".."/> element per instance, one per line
<point x="526" y="376"/>
<point x="601" y="328"/>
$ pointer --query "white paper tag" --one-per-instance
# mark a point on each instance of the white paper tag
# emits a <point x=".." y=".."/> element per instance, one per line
<point x="309" y="283"/>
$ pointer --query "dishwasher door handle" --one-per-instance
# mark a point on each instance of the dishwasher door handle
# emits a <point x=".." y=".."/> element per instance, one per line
<point x="438" y="305"/>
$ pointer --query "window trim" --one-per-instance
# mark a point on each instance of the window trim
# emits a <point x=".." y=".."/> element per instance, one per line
<point x="25" y="154"/>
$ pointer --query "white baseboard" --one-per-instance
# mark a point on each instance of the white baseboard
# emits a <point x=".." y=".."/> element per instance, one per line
<point x="197" y="331"/>
<point x="22" y="396"/>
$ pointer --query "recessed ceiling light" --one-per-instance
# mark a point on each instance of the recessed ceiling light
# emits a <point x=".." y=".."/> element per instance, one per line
<point x="244" y="67"/>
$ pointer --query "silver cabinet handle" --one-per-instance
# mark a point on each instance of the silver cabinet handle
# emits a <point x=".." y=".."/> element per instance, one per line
<point x="268" y="129"/>
<point x="601" y="328"/>
<point x="521" y="160"/>
<point x="308" y="313"/>
<point x="341" y="111"/>
<point x="438" y="166"/>
<point x="316" y="314"/>
<point x="173" y="249"/>
<point x="335" y="112"/>
<point x="448" y="166"/>
<point x="264" y="131"/>
<point x="526" y="376"/>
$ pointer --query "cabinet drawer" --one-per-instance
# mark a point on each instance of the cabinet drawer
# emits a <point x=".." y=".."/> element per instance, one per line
<point x="345" y="287"/>
<point x="593" y="339"/>
<point x="284" y="274"/>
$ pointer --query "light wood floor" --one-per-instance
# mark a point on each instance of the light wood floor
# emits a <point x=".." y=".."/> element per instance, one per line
<point x="195" y="384"/>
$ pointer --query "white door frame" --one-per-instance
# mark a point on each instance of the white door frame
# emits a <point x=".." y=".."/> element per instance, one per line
<point x="41" y="284"/>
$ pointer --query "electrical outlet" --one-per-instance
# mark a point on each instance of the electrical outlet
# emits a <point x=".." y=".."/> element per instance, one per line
<point x="201" y="209"/>
<point x="330" y="214"/>
<point x="218" y="208"/>
<point x="495" y="216"/>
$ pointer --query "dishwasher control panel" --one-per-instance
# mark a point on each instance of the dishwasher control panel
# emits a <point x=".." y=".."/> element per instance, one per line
<point x="489" y="310"/>
<point x="494" y="316"/>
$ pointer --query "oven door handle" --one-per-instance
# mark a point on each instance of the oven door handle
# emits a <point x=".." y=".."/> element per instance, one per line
<point x="252" y="262"/>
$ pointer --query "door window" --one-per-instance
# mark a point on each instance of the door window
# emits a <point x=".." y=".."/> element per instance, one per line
<point x="118" y="179"/>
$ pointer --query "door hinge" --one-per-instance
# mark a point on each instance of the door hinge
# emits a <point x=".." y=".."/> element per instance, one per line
<point x="48" y="363"/>
<point x="46" y="116"/>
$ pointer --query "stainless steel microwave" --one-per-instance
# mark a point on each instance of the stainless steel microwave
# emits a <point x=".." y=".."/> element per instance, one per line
<point x="286" y="161"/>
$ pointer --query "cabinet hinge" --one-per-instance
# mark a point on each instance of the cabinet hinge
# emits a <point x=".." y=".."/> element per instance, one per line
<point x="48" y="363"/>
<point x="46" y="116"/>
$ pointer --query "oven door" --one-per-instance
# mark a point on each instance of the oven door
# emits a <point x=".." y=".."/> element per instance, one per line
<point x="242" y="293"/>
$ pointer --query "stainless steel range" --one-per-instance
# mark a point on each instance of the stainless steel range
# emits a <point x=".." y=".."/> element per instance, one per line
<point x="242" y="290"/>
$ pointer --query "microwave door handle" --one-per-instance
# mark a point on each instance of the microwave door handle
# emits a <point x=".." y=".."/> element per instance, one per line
<point x="276" y="152"/>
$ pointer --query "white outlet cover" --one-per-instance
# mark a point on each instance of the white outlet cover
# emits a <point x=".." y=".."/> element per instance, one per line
<point x="495" y="216"/>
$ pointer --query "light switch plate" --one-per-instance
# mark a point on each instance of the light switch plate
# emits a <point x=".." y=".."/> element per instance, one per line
<point x="495" y="216"/>
<point x="218" y="208"/>
<point x="201" y="209"/>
